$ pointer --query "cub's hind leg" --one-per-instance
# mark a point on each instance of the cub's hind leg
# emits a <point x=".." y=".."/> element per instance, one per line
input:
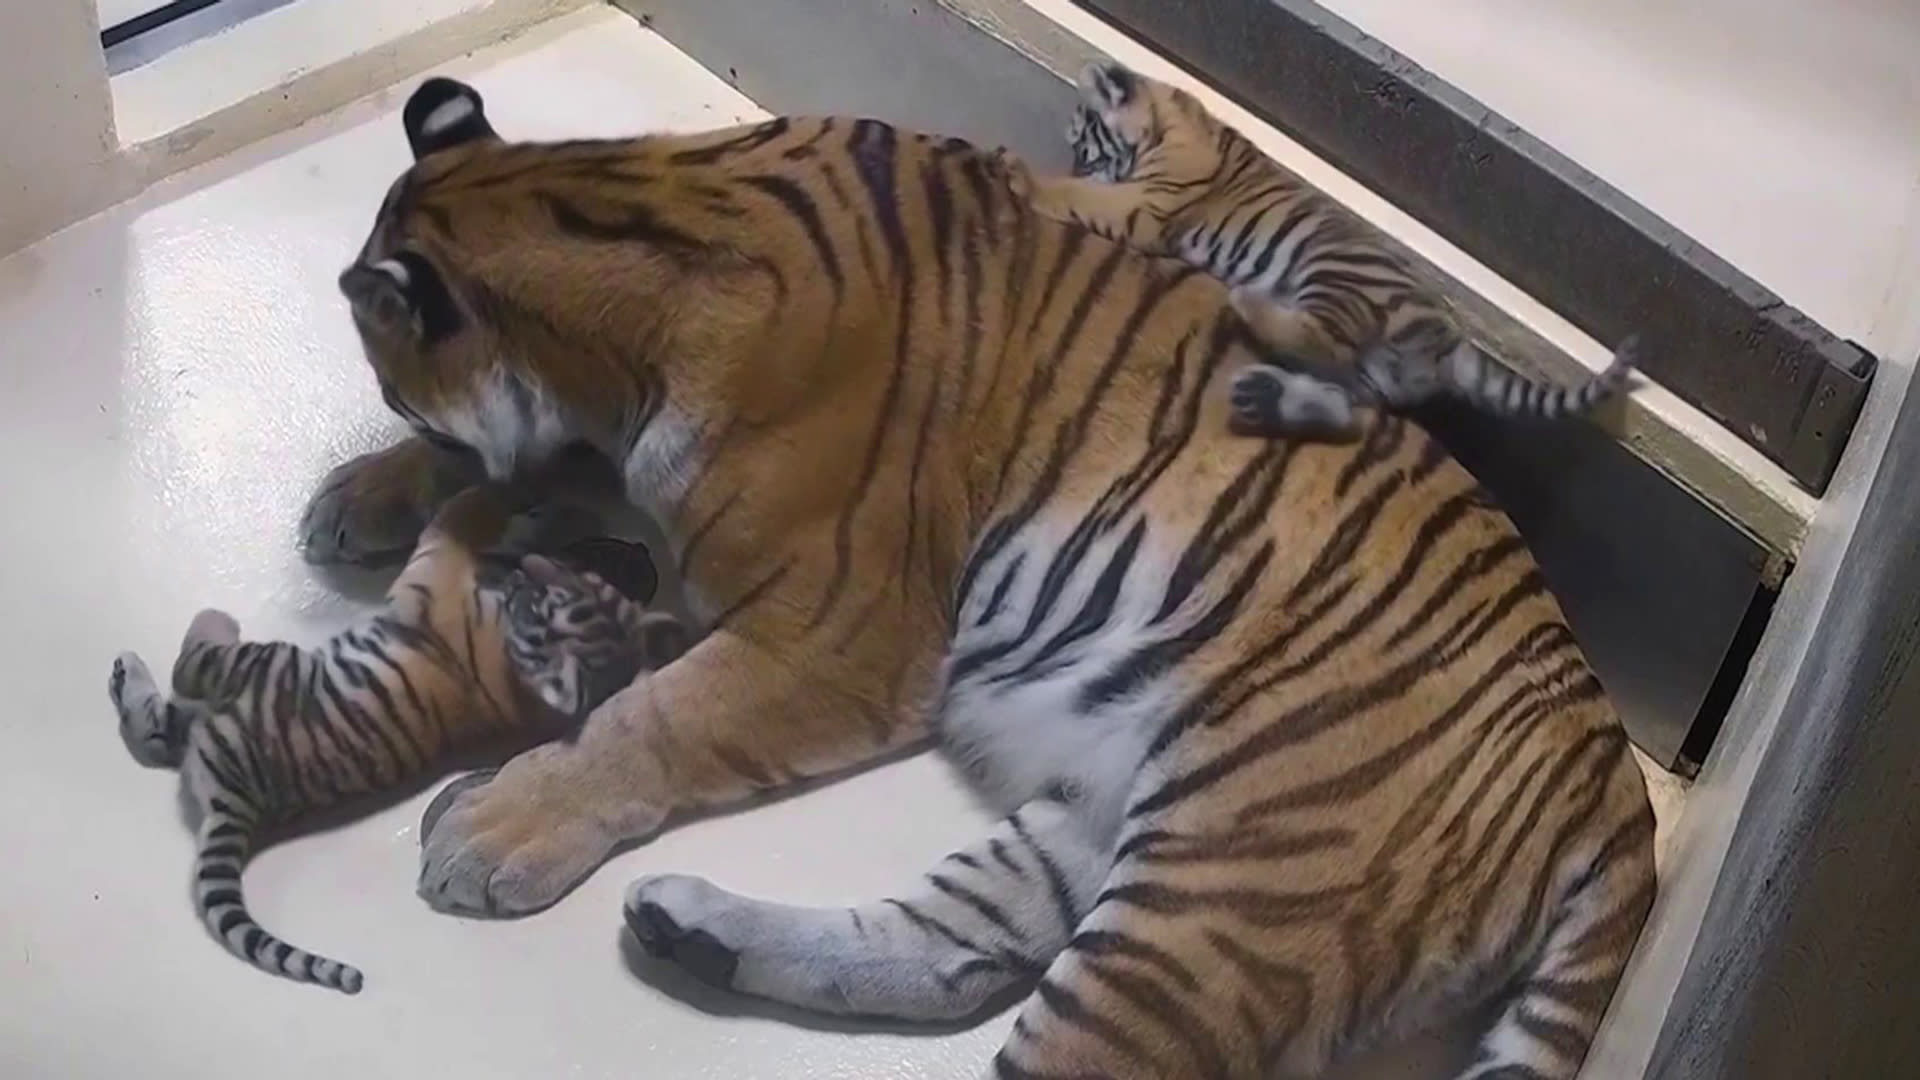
<point x="153" y="726"/>
<point x="984" y="920"/>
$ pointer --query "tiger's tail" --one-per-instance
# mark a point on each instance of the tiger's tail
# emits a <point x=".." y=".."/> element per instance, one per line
<point x="1471" y="374"/>
<point x="227" y="833"/>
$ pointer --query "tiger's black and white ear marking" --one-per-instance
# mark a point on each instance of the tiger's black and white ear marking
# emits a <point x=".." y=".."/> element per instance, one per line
<point x="441" y="113"/>
<point x="1108" y="84"/>
<point x="401" y="293"/>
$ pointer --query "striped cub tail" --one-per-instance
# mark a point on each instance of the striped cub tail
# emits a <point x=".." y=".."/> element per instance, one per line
<point x="226" y="840"/>
<point x="184" y="731"/>
<point x="1472" y="375"/>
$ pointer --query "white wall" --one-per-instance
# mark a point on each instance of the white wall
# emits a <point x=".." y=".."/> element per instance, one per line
<point x="59" y="159"/>
<point x="1782" y="134"/>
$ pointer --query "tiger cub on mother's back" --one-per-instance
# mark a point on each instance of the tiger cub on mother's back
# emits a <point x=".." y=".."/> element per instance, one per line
<point x="465" y="648"/>
<point x="1153" y="168"/>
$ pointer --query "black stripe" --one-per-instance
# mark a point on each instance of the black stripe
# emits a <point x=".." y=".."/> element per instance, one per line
<point x="1094" y="613"/>
<point x="1067" y="1007"/>
<point x="1156" y="658"/>
<point x="935" y="927"/>
<point x="1063" y="903"/>
<point x="874" y="147"/>
<point x="1104" y="944"/>
<point x="981" y="906"/>
<point x="638" y="224"/>
<point x="754" y="138"/>
<point x="802" y="207"/>
<point x="753" y="594"/>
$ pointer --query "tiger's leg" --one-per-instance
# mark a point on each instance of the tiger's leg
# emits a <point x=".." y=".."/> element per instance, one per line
<point x="726" y="719"/>
<point x="985" y="919"/>
<point x="1168" y="977"/>
<point x="154" y="728"/>
<point x="211" y="663"/>
<point x="371" y="510"/>
<point x="1548" y="1023"/>
<point x="1114" y="210"/>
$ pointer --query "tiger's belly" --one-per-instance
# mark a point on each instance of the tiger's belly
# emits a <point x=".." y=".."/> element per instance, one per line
<point x="1055" y="680"/>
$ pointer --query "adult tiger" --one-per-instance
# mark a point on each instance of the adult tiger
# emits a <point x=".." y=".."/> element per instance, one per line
<point x="1297" y="748"/>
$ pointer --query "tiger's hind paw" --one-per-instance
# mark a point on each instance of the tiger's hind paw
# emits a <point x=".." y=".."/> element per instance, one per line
<point x="1265" y="402"/>
<point x="142" y="709"/>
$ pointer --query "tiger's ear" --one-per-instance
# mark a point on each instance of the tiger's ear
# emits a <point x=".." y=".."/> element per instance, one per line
<point x="1109" y="85"/>
<point x="441" y="113"/>
<point x="400" y="294"/>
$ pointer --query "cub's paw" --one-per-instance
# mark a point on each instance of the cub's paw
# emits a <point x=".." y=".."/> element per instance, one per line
<point x="1266" y="403"/>
<point x="142" y="709"/>
<point x="371" y="510"/>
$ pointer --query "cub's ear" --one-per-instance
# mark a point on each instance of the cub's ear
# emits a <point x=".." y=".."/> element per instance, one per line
<point x="441" y="113"/>
<point x="400" y="294"/>
<point x="1108" y="85"/>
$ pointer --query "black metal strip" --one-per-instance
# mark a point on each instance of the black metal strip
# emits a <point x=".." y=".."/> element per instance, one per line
<point x="1607" y="264"/>
<point x="158" y="17"/>
<point x="141" y="41"/>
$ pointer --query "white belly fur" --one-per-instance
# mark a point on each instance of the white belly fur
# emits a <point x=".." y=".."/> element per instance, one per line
<point x="1020" y="736"/>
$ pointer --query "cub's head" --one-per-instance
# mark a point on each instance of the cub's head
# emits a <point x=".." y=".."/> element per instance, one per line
<point x="575" y="640"/>
<point x="511" y="296"/>
<point x="1129" y="126"/>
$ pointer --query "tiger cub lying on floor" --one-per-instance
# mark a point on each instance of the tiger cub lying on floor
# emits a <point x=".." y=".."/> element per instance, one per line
<point x="1154" y="169"/>
<point x="468" y="647"/>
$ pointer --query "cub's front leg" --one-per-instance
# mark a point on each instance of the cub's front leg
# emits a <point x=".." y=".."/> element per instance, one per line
<point x="1113" y="210"/>
<point x="371" y="510"/>
<point x="724" y="720"/>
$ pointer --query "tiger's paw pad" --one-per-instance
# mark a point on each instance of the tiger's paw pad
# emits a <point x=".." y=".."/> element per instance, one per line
<point x="1262" y="404"/>
<point x="1254" y="398"/>
<point x="666" y="915"/>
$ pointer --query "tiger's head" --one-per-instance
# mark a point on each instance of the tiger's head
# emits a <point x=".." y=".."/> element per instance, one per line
<point x="1130" y="127"/>
<point x="515" y="298"/>
<point x="575" y="640"/>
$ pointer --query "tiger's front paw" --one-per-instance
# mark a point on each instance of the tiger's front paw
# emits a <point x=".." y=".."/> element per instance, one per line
<point x="513" y="842"/>
<point x="371" y="510"/>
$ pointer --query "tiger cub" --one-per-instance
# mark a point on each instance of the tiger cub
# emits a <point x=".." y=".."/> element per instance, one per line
<point x="465" y="649"/>
<point x="1153" y="168"/>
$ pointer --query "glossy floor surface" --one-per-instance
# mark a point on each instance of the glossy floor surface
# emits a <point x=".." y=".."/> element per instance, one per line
<point x="174" y="377"/>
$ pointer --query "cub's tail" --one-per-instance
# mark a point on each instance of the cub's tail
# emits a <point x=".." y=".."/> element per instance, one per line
<point x="226" y="840"/>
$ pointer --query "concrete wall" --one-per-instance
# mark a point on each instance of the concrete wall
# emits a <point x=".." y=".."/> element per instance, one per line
<point x="59" y="159"/>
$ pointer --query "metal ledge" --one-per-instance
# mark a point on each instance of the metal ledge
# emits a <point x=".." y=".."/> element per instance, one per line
<point x="1714" y="336"/>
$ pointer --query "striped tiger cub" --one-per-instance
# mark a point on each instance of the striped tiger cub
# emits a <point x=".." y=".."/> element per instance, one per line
<point x="1153" y="168"/>
<point x="1293" y="747"/>
<point x="465" y="649"/>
